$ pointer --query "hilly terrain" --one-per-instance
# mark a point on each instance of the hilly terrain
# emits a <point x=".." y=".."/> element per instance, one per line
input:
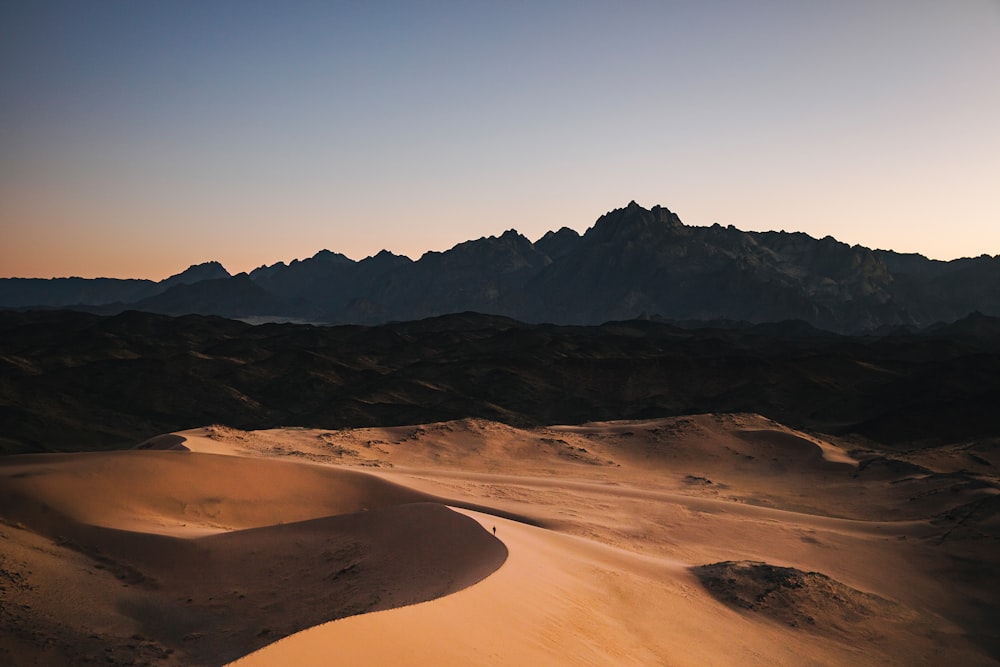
<point x="633" y="262"/>
<point x="72" y="380"/>
<point x="722" y="487"/>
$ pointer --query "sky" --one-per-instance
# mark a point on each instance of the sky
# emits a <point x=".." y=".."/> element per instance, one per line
<point x="137" y="138"/>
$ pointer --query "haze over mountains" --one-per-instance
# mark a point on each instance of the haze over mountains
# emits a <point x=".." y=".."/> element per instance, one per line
<point x="634" y="262"/>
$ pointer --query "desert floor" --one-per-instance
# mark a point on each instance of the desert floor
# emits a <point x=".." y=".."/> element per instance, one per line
<point x="710" y="539"/>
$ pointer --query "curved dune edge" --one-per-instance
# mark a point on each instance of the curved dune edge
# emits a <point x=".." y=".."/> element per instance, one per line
<point x="167" y="442"/>
<point x="183" y="493"/>
<point x="557" y="600"/>
<point x="210" y="556"/>
<point x="791" y="445"/>
<point x="565" y="600"/>
<point x="695" y="488"/>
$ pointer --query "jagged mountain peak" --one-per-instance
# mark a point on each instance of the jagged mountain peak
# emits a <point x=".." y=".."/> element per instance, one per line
<point x="386" y="258"/>
<point x="386" y="254"/>
<point x="510" y="240"/>
<point x="515" y="239"/>
<point x="331" y="257"/>
<point x="562" y="232"/>
<point x="196" y="273"/>
<point x="634" y="220"/>
<point x="509" y="236"/>
<point x="558" y="244"/>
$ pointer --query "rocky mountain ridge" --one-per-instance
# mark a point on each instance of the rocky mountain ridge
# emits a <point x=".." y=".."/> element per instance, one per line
<point x="633" y="262"/>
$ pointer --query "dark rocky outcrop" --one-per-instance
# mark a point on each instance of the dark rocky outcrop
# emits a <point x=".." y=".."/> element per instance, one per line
<point x="807" y="600"/>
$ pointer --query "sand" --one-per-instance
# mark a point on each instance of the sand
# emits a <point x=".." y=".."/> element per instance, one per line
<point x="713" y="539"/>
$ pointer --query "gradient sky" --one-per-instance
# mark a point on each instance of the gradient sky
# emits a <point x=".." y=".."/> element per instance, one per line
<point x="137" y="138"/>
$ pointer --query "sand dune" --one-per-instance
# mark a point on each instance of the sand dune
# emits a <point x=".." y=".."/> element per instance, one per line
<point x="711" y="539"/>
<point x="561" y="600"/>
<point x="177" y="492"/>
<point x="199" y="558"/>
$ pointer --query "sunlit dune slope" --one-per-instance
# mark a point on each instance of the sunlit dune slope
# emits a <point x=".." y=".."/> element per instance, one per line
<point x="205" y="557"/>
<point x="697" y="540"/>
<point x="561" y="600"/>
<point x="882" y="566"/>
<point x="178" y="492"/>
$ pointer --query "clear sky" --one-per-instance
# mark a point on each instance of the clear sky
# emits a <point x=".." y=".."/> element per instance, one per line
<point x="137" y="138"/>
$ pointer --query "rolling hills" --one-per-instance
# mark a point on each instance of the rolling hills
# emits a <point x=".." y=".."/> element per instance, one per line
<point x="73" y="380"/>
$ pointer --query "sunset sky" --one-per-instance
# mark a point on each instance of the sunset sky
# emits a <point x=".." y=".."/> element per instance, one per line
<point x="137" y="138"/>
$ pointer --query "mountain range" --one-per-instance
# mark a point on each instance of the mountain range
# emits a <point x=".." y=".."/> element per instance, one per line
<point x="632" y="263"/>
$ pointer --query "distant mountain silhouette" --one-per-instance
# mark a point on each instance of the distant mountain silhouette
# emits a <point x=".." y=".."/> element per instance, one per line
<point x="237" y="296"/>
<point x="634" y="262"/>
<point x="329" y="281"/>
<point x="64" y="292"/>
<point x="195" y="274"/>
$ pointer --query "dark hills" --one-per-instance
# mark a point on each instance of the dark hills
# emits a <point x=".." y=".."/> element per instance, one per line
<point x="632" y="263"/>
<point x="74" y="380"/>
<point x="61" y="292"/>
<point x="234" y="296"/>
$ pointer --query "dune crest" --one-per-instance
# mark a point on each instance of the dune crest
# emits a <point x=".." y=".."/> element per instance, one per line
<point x="200" y="558"/>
